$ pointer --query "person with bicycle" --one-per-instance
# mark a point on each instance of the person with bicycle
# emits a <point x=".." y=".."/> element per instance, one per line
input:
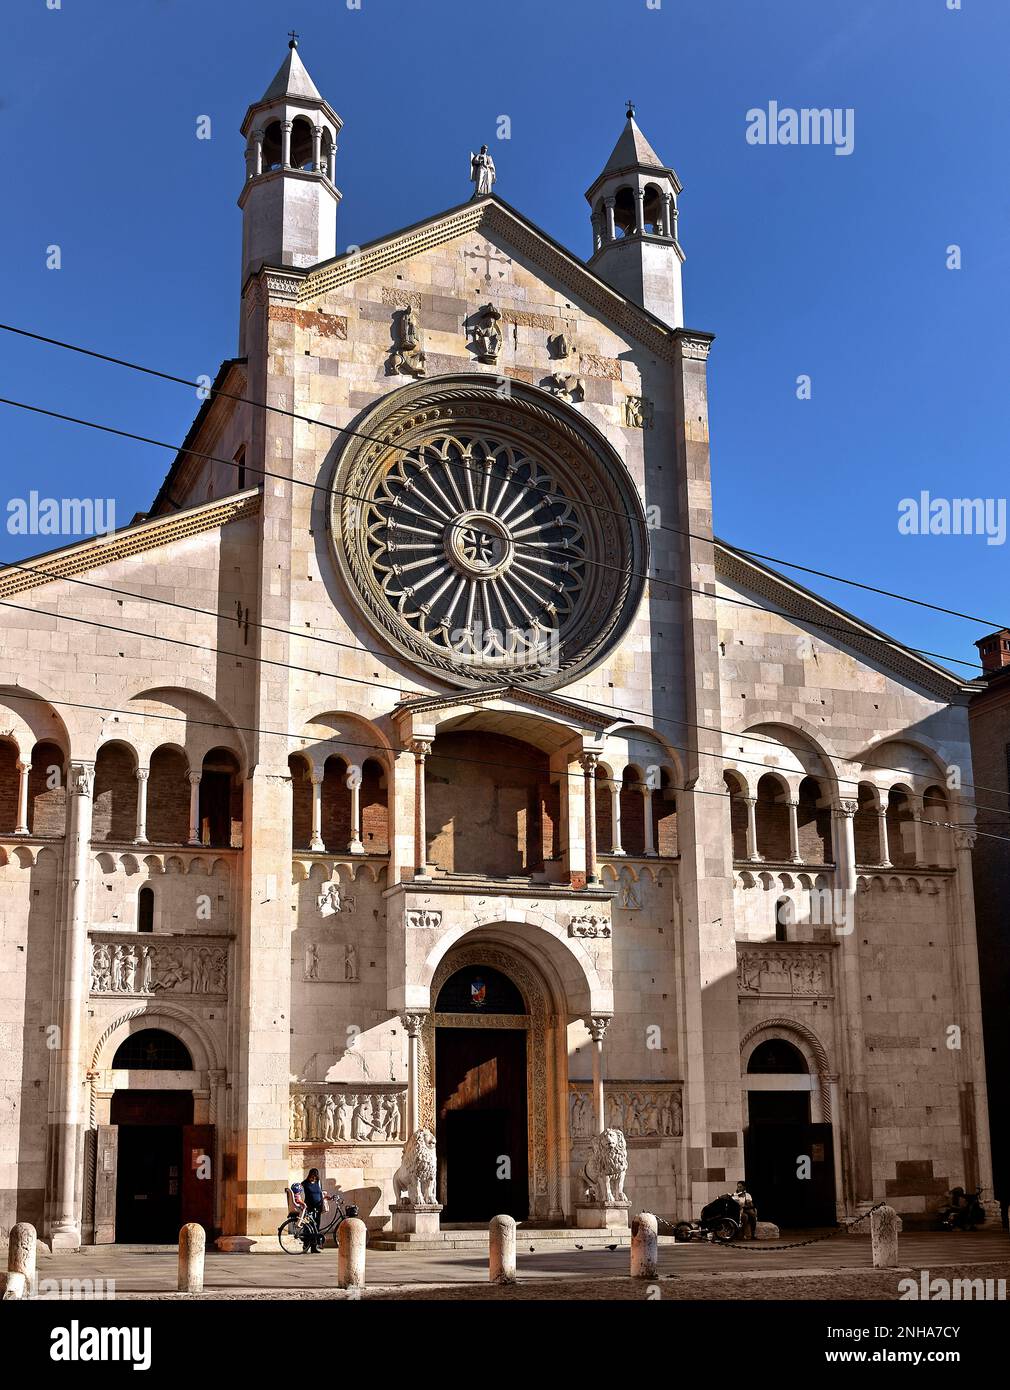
<point x="312" y="1192"/>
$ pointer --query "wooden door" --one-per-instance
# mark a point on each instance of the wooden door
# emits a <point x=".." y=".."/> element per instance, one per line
<point x="482" y="1124"/>
<point x="106" y="1155"/>
<point x="198" y="1175"/>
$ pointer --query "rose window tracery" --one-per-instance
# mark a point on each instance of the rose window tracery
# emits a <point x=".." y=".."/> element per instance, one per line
<point x="489" y="539"/>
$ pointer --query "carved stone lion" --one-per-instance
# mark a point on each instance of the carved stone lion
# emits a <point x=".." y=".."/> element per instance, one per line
<point x="416" y="1174"/>
<point x="606" y="1168"/>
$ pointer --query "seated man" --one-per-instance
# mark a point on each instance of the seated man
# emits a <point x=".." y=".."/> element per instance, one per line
<point x="748" y="1211"/>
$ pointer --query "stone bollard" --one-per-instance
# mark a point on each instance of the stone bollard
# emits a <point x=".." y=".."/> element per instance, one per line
<point x="501" y="1250"/>
<point x="192" y="1248"/>
<point x="22" y="1254"/>
<point x="644" y="1246"/>
<point x="351" y="1237"/>
<point x="15" y="1288"/>
<point x="884" y="1237"/>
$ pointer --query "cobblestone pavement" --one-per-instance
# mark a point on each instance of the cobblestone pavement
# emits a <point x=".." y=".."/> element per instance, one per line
<point x="836" y="1268"/>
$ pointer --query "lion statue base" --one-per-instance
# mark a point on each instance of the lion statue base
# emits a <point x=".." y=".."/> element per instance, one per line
<point x="417" y="1172"/>
<point x="606" y="1168"/>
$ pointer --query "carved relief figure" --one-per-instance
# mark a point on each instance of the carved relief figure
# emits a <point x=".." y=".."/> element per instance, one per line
<point x="487" y="334"/>
<point x="637" y="412"/>
<point x="345" y="1114"/>
<point x="328" y="901"/>
<point x="146" y="969"/>
<point x="568" y="387"/>
<point x="409" y="356"/>
<point x="350" y="961"/>
<point x="312" y="961"/>
<point x="329" y="1110"/>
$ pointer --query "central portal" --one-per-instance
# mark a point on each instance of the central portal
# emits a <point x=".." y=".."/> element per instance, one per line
<point x="482" y="1122"/>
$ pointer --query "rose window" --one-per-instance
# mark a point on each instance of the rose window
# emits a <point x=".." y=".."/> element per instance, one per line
<point x="487" y="544"/>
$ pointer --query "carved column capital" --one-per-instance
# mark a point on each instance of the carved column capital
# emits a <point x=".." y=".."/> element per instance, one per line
<point x="845" y="809"/>
<point x="195" y="778"/>
<point x="589" y="763"/>
<point x="82" y="778"/>
<point x="142" y="774"/>
<point x="598" y="1025"/>
<point x="965" y="839"/>
<point x="413" y="1023"/>
<point x="420" y="747"/>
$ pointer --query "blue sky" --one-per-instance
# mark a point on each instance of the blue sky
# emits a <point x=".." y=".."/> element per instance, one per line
<point x="799" y="260"/>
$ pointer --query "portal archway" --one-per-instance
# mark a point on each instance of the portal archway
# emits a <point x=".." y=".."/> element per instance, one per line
<point x="504" y="1054"/>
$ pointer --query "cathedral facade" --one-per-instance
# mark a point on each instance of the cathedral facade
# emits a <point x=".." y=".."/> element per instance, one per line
<point x="421" y="761"/>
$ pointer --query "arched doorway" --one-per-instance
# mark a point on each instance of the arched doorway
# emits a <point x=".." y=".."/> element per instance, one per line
<point x="789" y="1151"/>
<point x="481" y="1112"/>
<point x="151" y="1162"/>
<point x="150" y="1126"/>
<point x="495" y="1041"/>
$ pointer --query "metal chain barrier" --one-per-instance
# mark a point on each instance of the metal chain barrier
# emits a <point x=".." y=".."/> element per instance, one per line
<point x="748" y="1248"/>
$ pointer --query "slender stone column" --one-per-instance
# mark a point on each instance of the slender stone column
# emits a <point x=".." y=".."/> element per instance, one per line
<point x="589" y="763"/>
<point x="650" y="835"/>
<point x="353" y="783"/>
<point x="668" y="214"/>
<point x="969" y="1059"/>
<point x="752" y="835"/>
<point x="609" y="204"/>
<point x="598" y="1026"/>
<point x="920" y="853"/>
<point x="316" y="842"/>
<point x="615" y="816"/>
<point x="143" y="775"/>
<point x="258" y="151"/>
<point x="286" y="143"/>
<point x="794" y="832"/>
<point x="640" y="211"/>
<point x="194" y="806"/>
<point x="413" y="1024"/>
<point x="23" y="771"/>
<point x="317" y="148"/>
<point x="850" y="990"/>
<point x="331" y="163"/>
<point x="420" y="747"/>
<point x="66" y="1224"/>
<point x="885" y="849"/>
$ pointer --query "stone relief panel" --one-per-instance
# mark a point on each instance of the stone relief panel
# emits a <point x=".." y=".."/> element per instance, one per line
<point x="640" y="1109"/>
<point x="165" y="965"/>
<point x="347" y="1115"/>
<point x="778" y="972"/>
<point x="331" y="962"/>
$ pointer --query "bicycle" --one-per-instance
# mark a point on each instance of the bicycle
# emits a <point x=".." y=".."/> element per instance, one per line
<point x="300" y="1231"/>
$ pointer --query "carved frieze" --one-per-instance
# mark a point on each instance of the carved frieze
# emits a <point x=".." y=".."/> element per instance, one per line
<point x="162" y="965"/>
<point x="421" y="918"/>
<point x="589" y="924"/>
<point x="761" y="970"/>
<point x="641" y="1110"/>
<point x="331" y="962"/>
<point x="347" y="1115"/>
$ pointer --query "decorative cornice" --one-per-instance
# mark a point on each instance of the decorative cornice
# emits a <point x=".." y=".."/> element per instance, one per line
<point x="132" y="540"/>
<point x="793" y="601"/>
